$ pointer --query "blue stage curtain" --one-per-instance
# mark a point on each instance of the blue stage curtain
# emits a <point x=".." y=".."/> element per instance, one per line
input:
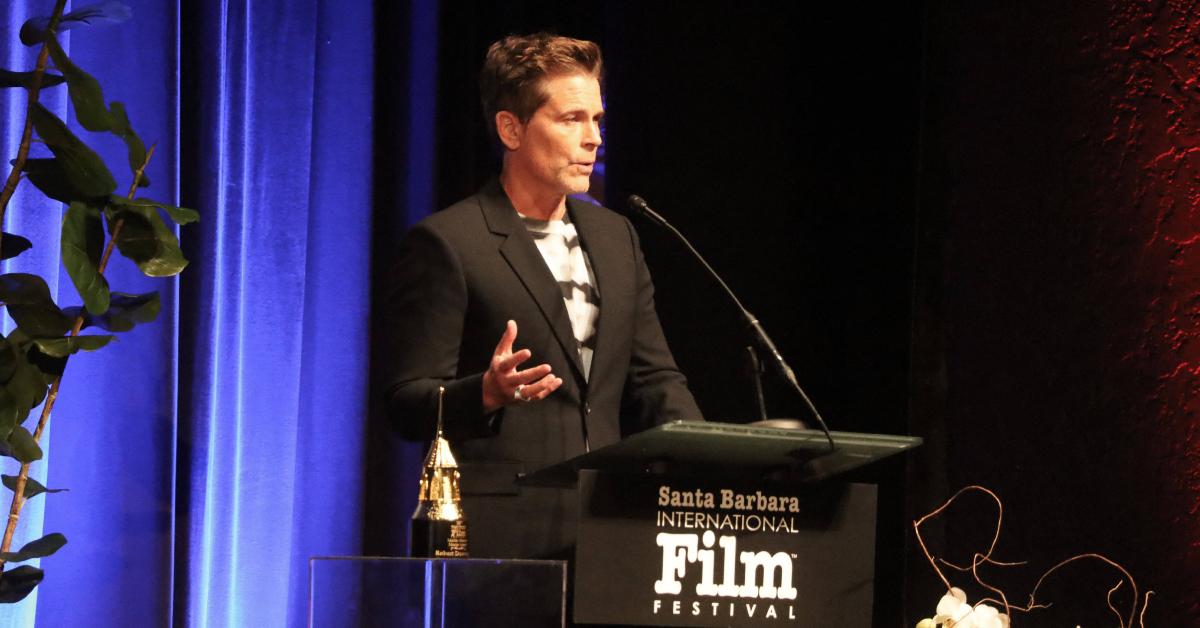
<point x="211" y="453"/>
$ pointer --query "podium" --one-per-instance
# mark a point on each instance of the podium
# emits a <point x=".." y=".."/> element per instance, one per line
<point x="716" y="524"/>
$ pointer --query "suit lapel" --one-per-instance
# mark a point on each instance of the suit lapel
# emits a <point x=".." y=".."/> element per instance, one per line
<point x="602" y="252"/>
<point x="526" y="261"/>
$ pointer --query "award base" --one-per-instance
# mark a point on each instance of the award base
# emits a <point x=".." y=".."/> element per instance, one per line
<point x="438" y="539"/>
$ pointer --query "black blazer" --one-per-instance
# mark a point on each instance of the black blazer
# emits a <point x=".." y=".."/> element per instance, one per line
<point x="462" y="274"/>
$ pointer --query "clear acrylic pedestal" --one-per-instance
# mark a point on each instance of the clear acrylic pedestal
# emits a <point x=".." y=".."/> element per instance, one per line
<point x="364" y="592"/>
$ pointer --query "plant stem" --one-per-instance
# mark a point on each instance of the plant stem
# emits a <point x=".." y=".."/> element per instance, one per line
<point x="116" y="231"/>
<point x="18" y="500"/>
<point x="35" y="87"/>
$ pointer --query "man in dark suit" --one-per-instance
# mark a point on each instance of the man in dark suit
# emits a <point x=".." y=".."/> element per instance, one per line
<point x="520" y="273"/>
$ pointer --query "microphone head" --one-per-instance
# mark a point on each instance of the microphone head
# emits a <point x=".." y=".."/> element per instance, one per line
<point x="638" y="204"/>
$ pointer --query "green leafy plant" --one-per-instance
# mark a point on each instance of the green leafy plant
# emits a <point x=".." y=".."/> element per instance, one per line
<point x="96" y="221"/>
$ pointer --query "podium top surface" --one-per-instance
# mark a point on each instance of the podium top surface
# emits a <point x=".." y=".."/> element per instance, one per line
<point x="709" y="448"/>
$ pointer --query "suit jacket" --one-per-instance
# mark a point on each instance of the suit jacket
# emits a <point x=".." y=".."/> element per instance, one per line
<point x="462" y="274"/>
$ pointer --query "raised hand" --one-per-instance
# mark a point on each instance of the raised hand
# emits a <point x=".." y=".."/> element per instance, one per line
<point x="503" y="384"/>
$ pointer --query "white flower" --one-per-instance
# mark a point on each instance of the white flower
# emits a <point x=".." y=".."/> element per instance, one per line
<point x="952" y="607"/>
<point x="954" y="611"/>
<point x="985" y="616"/>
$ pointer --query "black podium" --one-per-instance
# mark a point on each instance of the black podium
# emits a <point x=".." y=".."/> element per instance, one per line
<point x="716" y="524"/>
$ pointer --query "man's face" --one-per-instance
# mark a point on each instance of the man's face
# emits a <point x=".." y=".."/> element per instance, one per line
<point x="556" y="149"/>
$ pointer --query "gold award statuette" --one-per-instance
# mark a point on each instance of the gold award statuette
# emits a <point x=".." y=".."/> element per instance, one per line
<point x="439" y="529"/>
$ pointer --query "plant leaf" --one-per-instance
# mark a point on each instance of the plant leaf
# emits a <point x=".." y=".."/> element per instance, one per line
<point x="147" y="240"/>
<point x="82" y="244"/>
<point x="49" y="366"/>
<point x="28" y="300"/>
<point x="40" y="548"/>
<point x="33" y="31"/>
<point x="84" y="169"/>
<point x="32" y="486"/>
<point x="47" y="175"/>
<point x="9" y="414"/>
<point x="27" y="388"/>
<point x="8" y="78"/>
<point x="13" y="245"/>
<point x="168" y="264"/>
<point x="134" y="148"/>
<point x="43" y="321"/>
<point x="8" y="360"/>
<point x="126" y="311"/>
<point x="136" y="240"/>
<point x="20" y="445"/>
<point x="179" y="215"/>
<point x="84" y="90"/>
<point x="16" y="584"/>
<point x="62" y="347"/>
<point x="24" y="385"/>
<point x="24" y="289"/>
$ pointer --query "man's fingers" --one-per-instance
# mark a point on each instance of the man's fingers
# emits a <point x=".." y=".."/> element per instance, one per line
<point x="529" y="375"/>
<point x="503" y="379"/>
<point x="506" y="339"/>
<point x="541" y="388"/>
<point x="504" y="364"/>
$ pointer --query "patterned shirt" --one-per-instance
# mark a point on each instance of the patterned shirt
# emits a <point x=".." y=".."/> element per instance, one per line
<point x="559" y="244"/>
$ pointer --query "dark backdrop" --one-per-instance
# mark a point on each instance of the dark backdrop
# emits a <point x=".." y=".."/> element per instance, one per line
<point x="1055" y="354"/>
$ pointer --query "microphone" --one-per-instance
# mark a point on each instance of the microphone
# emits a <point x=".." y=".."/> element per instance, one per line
<point x="639" y="207"/>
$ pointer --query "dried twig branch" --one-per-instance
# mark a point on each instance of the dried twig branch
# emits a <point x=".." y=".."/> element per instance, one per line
<point x="1104" y="559"/>
<point x="1145" y="605"/>
<point x="1108" y="598"/>
<point x="938" y="511"/>
<point x="982" y="558"/>
<point x="975" y="562"/>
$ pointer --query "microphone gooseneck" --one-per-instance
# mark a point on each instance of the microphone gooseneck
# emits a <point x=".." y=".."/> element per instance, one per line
<point x="639" y="206"/>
